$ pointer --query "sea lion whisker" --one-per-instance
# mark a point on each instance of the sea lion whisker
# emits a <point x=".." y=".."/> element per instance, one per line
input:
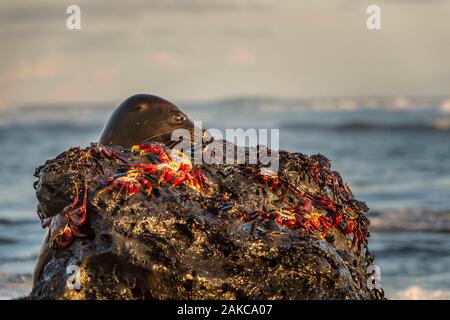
<point x="156" y="135"/>
<point x="161" y="134"/>
<point x="173" y="144"/>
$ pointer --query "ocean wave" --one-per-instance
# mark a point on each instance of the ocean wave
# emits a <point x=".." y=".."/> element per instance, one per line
<point x="271" y="104"/>
<point x="410" y="220"/>
<point x="7" y="241"/>
<point x="437" y="125"/>
<point x="344" y="104"/>
<point x="418" y="293"/>
<point x="14" y="286"/>
<point x="10" y="222"/>
<point x="24" y="258"/>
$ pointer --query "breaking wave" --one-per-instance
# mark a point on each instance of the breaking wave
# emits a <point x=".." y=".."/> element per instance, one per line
<point x="9" y="222"/>
<point x="437" y="125"/>
<point x="418" y="293"/>
<point x="410" y="220"/>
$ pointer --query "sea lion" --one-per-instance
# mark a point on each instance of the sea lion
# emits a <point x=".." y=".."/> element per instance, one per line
<point x="143" y="118"/>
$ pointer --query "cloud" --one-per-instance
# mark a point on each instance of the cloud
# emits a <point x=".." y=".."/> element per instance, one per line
<point x="105" y="74"/>
<point x="205" y="49"/>
<point x="254" y="32"/>
<point x="26" y="11"/>
<point x="2" y="105"/>
<point x="166" y="59"/>
<point x="445" y="106"/>
<point x="44" y="68"/>
<point x="241" y="56"/>
<point x="105" y="79"/>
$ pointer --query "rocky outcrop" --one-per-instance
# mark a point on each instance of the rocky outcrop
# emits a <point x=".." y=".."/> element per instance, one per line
<point x="157" y="227"/>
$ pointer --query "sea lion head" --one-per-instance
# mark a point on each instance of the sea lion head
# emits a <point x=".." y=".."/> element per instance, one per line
<point x="143" y="118"/>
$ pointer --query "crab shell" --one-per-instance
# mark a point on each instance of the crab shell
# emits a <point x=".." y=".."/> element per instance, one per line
<point x="60" y="233"/>
<point x="63" y="228"/>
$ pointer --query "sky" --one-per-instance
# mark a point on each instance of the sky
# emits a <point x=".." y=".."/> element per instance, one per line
<point x="212" y="49"/>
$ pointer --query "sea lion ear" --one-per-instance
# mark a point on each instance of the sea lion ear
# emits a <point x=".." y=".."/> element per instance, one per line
<point x="140" y="107"/>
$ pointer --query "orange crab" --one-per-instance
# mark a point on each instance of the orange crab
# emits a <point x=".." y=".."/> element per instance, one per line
<point x="64" y="226"/>
<point x="129" y="182"/>
<point x="359" y="231"/>
<point x="174" y="165"/>
<point x="316" y="221"/>
<point x="104" y="152"/>
<point x="151" y="148"/>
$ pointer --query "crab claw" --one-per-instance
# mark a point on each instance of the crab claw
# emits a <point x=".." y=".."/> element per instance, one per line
<point x="337" y="219"/>
<point x="102" y="151"/>
<point x="166" y="176"/>
<point x="307" y="206"/>
<point x="148" y="186"/>
<point x="46" y="222"/>
<point x="76" y="232"/>
<point x="151" y="148"/>
<point x="350" y="227"/>
<point x="147" y="168"/>
<point x="39" y="212"/>
<point x="182" y="174"/>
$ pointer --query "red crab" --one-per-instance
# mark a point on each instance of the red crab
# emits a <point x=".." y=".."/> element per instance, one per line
<point x="185" y="172"/>
<point x="129" y="182"/>
<point x="64" y="226"/>
<point x="315" y="221"/>
<point x="359" y="230"/>
<point x="286" y="219"/>
<point x="174" y="165"/>
<point x="338" y="187"/>
<point x="102" y="151"/>
<point x="325" y="203"/>
<point x="313" y="173"/>
<point x="151" y="148"/>
<point x="337" y="219"/>
<point x="273" y="181"/>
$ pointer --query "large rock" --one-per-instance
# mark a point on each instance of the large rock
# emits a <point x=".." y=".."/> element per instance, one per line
<point x="236" y="235"/>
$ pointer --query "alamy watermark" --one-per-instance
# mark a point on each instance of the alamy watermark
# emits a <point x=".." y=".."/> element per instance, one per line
<point x="374" y="278"/>
<point x="73" y="21"/>
<point x="374" y="20"/>
<point x="73" y="277"/>
<point x="250" y="146"/>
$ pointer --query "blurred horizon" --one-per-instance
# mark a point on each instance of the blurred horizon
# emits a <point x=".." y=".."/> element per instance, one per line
<point x="440" y="103"/>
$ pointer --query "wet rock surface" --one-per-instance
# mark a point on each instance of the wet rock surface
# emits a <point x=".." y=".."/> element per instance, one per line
<point x="236" y="234"/>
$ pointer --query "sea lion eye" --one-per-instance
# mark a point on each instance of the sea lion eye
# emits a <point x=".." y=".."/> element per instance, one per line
<point x="178" y="117"/>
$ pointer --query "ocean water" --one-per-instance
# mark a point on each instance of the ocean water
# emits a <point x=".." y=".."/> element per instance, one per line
<point x="398" y="161"/>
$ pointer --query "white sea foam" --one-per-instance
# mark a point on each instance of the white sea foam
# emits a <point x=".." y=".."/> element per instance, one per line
<point x="445" y="106"/>
<point x="14" y="286"/>
<point x="442" y="124"/>
<point x="410" y="220"/>
<point x="418" y="293"/>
